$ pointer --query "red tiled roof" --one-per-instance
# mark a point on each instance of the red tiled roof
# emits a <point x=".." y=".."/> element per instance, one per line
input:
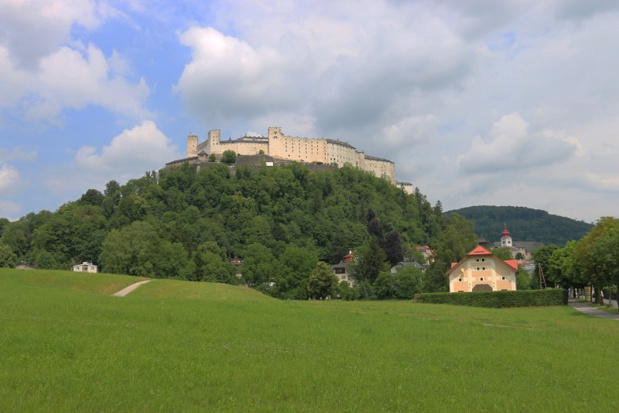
<point x="512" y="263"/>
<point x="505" y="232"/>
<point x="479" y="250"/>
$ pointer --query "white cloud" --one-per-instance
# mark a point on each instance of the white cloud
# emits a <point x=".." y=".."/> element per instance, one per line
<point x="228" y="78"/>
<point x="513" y="147"/>
<point x="9" y="209"/>
<point x="131" y="153"/>
<point x="34" y="28"/>
<point x="9" y="177"/>
<point x="71" y="79"/>
<point x="43" y="70"/>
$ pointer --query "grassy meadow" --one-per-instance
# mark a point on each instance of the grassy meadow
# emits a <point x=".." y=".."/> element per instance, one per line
<point x="66" y="345"/>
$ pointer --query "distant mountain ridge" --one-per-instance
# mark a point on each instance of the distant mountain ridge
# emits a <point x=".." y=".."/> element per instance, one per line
<point x="524" y="224"/>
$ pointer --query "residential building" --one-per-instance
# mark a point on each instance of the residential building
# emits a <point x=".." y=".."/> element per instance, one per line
<point x="481" y="270"/>
<point x="85" y="267"/>
<point x="342" y="270"/>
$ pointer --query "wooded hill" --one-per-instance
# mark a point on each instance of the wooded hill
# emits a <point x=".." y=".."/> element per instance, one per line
<point x="176" y="223"/>
<point x="524" y="224"/>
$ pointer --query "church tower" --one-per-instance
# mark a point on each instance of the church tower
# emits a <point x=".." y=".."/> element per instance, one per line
<point x="506" y="239"/>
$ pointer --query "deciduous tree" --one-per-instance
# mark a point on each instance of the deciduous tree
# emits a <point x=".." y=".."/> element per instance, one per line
<point x="322" y="283"/>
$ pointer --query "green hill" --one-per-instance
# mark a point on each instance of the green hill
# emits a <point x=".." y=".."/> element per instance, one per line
<point x="193" y="225"/>
<point x="524" y="224"/>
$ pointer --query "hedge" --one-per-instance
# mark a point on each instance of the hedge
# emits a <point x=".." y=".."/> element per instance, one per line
<point x="499" y="299"/>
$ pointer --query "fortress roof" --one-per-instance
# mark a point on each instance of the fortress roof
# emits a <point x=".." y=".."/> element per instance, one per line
<point x="374" y="158"/>
<point x="337" y="142"/>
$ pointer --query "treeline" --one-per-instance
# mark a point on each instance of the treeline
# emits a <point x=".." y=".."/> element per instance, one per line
<point x="592" y="260"/>
<point x="524" y="224"/>
<point x="280" y="221"/>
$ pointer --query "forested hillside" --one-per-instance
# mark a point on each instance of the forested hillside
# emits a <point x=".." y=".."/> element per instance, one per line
<point x="524" y="224"/>
<point x="280" y="221"/>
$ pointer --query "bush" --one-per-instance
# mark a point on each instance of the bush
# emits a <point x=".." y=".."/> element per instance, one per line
<point x="228" y="157"/>
<point x="499" y="299"/>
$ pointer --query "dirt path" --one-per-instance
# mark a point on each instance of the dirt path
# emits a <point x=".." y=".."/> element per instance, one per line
<point x="592" y="311"/>
<point x="127" y="290"/>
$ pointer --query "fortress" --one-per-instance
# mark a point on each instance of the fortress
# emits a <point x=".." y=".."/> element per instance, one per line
<point x="292" y="148"/>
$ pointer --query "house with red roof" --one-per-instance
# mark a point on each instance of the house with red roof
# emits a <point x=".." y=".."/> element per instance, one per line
<point x="481" y="270"/>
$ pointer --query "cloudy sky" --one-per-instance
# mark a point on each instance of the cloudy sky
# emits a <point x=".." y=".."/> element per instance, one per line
<point x="478" y="102"/>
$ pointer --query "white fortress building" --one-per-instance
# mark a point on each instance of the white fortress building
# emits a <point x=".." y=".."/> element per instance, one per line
<point x="293" y="148"/>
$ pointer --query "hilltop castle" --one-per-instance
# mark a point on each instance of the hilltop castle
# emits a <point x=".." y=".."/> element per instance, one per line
<point x="292" y="148"/>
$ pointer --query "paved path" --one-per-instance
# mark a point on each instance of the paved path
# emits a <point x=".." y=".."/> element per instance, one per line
<point x="127" y="290"/>
<point x="592" y="311"/>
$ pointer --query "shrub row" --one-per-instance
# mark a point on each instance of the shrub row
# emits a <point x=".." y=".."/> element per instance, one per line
<point x="499" y="299"/>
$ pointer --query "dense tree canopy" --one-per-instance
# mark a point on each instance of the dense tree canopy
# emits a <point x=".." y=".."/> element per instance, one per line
<point x="525" y="224"/>
<point x="280" y="221"/>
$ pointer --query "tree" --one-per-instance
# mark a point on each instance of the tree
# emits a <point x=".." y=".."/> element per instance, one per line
<point x="260" y="267"/>
<point x="385" y="285"/>
<point x="563" y="270"/>
<point x="8" y="259"/>
<point x="132" y="250"/>
<point x="393" y="247"/>
<point x="212" y="158"/>
<point x="228" y="157"/>
<point x="594" y="254"/>
<point x="92" y="197"/>
<point x="503" y="253"/>
<point x="523" y="279"/>
<point x="322" y="283"/>
<point x="347" y="292"/>
<point x="370" y="261"/>
<point x="298" y="263"/>
<point x="519" y="256"/>
<point x="542" y="259"/>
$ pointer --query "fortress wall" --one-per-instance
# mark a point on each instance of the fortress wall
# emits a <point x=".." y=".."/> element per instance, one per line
<point x="341" y="154"/>
<point x="381" y="168"/>
<point x="244" y="148"/>
<point x="294" y="148"/>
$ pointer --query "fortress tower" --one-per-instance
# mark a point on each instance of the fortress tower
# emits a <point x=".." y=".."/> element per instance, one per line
<point x="192" y="145"/>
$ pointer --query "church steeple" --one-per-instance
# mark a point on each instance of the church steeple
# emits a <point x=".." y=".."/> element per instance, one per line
<point x="506" y="239"/>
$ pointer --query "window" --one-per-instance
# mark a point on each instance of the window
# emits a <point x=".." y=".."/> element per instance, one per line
<point x="483" y="268"/>
<point x="477" y="268"/>
<point x="503" y="278"/>
<point x="459" y="280"/>
<point x="481" y="279"/>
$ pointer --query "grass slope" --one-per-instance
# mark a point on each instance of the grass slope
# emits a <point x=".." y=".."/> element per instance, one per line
<point x="177" y="346"/>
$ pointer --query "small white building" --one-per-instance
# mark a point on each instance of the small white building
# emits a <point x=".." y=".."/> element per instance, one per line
<point x="85" y="267"/>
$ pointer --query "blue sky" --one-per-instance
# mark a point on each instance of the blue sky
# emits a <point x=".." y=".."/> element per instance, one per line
<point x="477" y="102"/>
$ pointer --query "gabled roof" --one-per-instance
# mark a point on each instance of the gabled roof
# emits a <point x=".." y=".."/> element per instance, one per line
<point x="481" y="251"/>
<point x="477" y="251"/>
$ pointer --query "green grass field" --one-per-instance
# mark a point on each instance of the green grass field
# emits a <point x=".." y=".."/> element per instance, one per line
<point x="66" y="345"/>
